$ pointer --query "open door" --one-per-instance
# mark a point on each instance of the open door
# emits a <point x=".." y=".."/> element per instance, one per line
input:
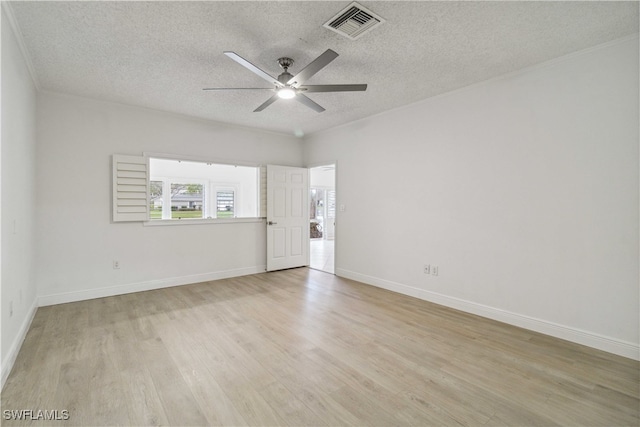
<point x="287" y="217"/>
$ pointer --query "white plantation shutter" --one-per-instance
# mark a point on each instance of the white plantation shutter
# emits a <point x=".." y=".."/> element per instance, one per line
<point x="331" y="203"/>
<point x="263" y="192"/>
<point x="130" y="188"/>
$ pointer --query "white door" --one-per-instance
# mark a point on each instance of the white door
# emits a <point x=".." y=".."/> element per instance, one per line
<point x="287" y="217"/>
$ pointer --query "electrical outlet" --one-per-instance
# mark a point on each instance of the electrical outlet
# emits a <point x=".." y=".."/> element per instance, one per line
<point x="116" y="265"/>
<point x="427" y="269"/>
<point x="434" y="270"/>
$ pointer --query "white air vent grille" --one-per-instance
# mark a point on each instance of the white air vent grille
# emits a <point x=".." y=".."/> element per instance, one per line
<point x="354" y="21"/>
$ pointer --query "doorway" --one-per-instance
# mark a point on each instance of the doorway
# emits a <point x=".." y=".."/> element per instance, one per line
<point x="322" y="215"/>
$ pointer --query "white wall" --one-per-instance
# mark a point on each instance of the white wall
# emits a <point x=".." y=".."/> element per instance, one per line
<point x="18" y="144"/>
<point x="77" y="242"/>
<point x="523" y="190"/>
<point x="321" y="177"/>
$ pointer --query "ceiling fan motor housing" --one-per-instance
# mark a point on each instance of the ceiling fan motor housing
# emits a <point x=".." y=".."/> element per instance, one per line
<point x="284" y="77"/>
<point x="285" y="63"/>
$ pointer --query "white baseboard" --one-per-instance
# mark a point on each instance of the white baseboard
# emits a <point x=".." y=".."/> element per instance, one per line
<point x="12" y="354"/>
<point x="128" y="288"/>
<point x="590" y="339"/>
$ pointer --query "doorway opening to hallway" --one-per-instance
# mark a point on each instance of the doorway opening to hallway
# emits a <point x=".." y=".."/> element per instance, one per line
<point x="322" y="217"/>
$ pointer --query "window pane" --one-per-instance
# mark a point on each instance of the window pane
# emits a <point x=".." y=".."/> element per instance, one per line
<point x="186" y="200"/>
<point x="155" y="199"/>
<point x="225" y="204"/>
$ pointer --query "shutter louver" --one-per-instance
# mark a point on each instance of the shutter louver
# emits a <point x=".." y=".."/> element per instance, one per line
<point x="331" y="204"/>
<point x="263" y="191"/>
<point x="130" y="188"/>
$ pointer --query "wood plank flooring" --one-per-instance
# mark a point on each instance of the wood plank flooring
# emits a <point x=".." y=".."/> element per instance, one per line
<point x="322" y="255"/>
<point x="305" y="348"/>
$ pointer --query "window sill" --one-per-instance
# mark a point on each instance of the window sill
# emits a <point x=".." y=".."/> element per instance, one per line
<point x="171" y="222"/>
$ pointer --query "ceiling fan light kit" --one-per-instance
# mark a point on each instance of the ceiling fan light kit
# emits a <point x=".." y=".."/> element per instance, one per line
<point x="286" y="93"/>
<point x="288" y="86"/>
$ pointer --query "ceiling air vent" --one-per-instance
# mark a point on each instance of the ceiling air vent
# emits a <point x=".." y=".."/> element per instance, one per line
<point x="354" y="21"/>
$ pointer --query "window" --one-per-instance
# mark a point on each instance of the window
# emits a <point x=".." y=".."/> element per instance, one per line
<point x="187" y="200"/>
<point x="185" y="189"/>
<point x="224" y="203"/>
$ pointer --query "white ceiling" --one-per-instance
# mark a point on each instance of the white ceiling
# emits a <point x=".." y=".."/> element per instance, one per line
<point x="161" y="54"/>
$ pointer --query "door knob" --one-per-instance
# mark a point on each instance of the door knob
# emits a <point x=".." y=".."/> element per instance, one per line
<point x="271" y="223"/>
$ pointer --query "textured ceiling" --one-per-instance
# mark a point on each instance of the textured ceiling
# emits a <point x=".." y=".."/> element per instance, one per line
<point x="161" y="54"/>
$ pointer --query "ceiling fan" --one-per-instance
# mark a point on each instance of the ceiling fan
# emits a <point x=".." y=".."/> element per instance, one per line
<point x="288" y="86"/>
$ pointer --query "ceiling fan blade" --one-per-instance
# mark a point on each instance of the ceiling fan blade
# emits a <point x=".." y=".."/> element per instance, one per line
<point x="265" y="104"/>
<point x="308" y="102"/>
<point x="248" y="65"/>
<point x="237" y="88"/>
<point x="334" y="88"/>
<point x="316" y="65"/>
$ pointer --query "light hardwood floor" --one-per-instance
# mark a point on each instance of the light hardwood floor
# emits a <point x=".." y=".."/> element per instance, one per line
<point x="322" y="255"/>
<point x="302" y="347"/>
